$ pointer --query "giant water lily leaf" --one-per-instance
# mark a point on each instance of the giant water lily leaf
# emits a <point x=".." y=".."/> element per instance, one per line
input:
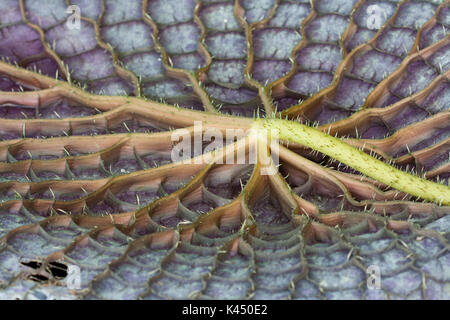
<point x="90" y="106"/>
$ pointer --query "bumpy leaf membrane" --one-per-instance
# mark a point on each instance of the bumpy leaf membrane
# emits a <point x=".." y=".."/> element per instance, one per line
<point x="88" y="177"/>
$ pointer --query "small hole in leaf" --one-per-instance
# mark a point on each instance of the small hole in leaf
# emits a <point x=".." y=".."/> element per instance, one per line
<point x="32" y="264"/>
<point x="38" y="278"/>
<point x="58" y="270"/>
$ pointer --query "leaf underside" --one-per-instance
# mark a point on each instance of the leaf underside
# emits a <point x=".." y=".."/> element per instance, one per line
<point x="86" y="173"/>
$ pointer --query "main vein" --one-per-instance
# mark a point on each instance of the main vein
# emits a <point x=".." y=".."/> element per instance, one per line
<point x="357" y="159"/>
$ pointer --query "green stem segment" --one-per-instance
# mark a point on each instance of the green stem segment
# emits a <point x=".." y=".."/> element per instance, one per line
<point x="357" y="159"/>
